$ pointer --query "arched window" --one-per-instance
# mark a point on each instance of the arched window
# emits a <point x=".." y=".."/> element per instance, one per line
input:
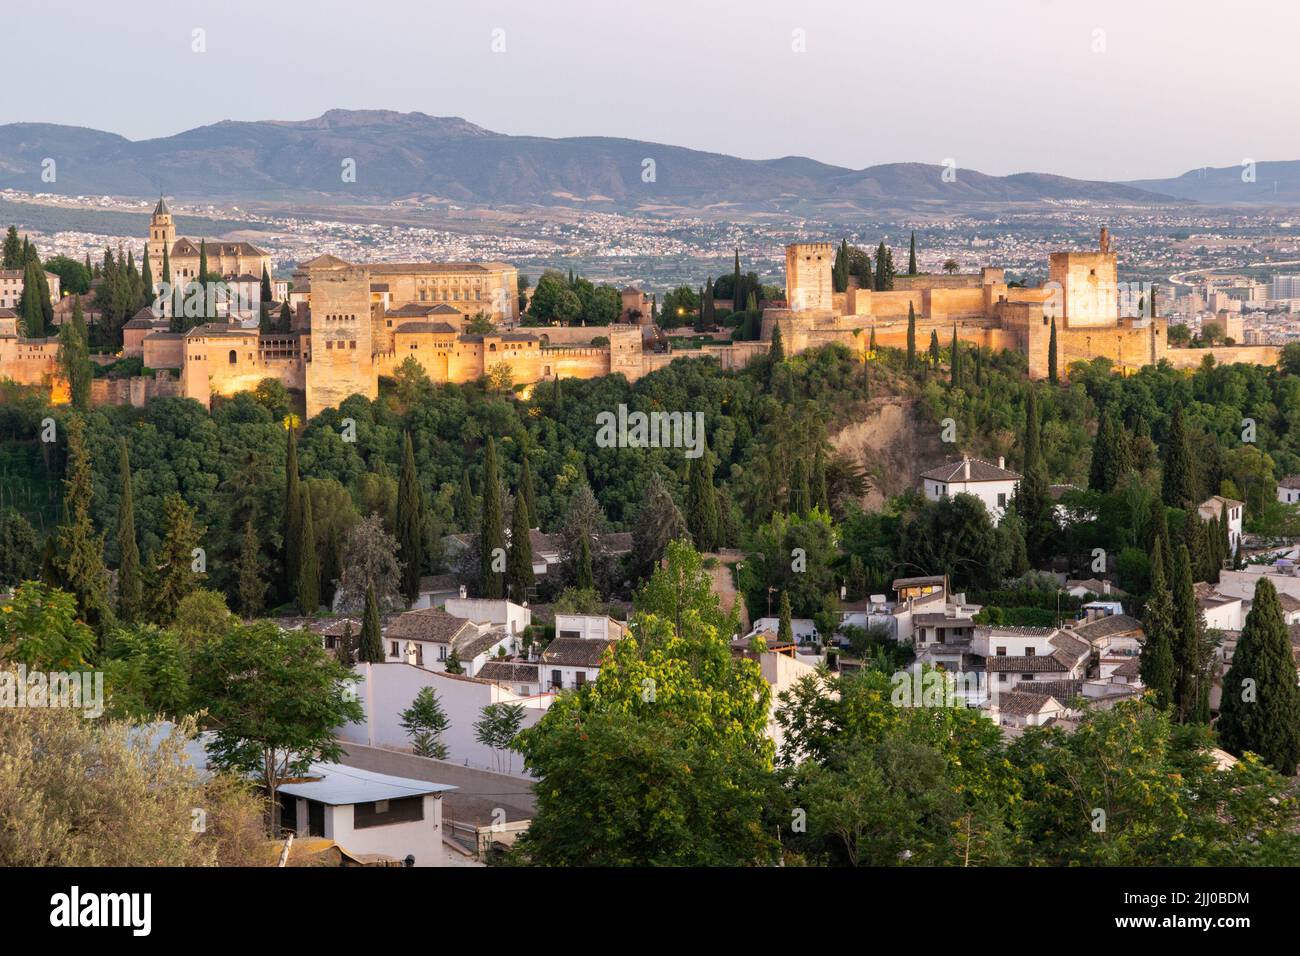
<point x="233" y="357"/>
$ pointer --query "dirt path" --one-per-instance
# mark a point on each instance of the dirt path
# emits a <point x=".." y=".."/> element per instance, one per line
<point x="724" y="587"/>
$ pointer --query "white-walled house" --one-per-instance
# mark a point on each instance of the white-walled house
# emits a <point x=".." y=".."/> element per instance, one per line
<point x="589" y="627"/>
<point x="367" y="813"/>
<point x="1021" y="655"/>
<point x="426" y="638"/>
<point x="570" y="662"/>
<point x="1216" y="505"/>
<point x="1288" y="490"/>
<point x="803" y="629"/>
<point x="992" y="484"/>
<point x="1021" y="708"/>
<point x="485" y="611"/>
<point x="520" y="677"/>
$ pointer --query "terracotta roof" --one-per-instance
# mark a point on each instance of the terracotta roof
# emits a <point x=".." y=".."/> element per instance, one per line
<point x="424" y="328"/>
<point x="980" y="470"/>
<point x="575" y="651"/>
<point x="1031" y="664"/>
<point x="917" y="582"/>
<point x="1290" y="481"/>
<point x="1020" y="703"/>
<point x="430" y="624"/>
<point x="509" y="672"/>
<point x="1130" y="668"/>
<point x="1106" y="626"/>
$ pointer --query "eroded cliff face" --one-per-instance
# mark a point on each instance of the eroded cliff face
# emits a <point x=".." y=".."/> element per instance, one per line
<point x="893" y="442"/>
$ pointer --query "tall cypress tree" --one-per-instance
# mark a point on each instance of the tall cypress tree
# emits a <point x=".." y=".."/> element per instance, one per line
<point x="776" y="353"/>
<point x="173" y="575"/>
<point x="371" y="647"/>
<point x="252" y="587"/>
<point x="784" y="629"/>
<point x="799" y="490"/>
<point x="519" y="566"/>
<point x="1052" y="375"/>
<point x="1178" y="486"/>
<point x="308" y="563"/>
<point x="911" y="335"/>
<point x="466" y="509"/>
<point x="1033" y="499"/>
<point x="267" y="294"/>
<point x="1188" y="630"/>
<point x="130" y="588"/>
<point x="1110" y="455"/>
<point x="80" y="551"/>
<point x="491" y="534"/>
<point x="702" y="503"/>
<point x="527" y="493"/>
<point x="1260" y="710"/>
<point x="292" y="521"/>
<point x="955" y="367"/>
<point x="410" y="518"/>
<point x="737" y="297"/>
<point x="934" y="348"/>
<point x="1157" y="662"/>
<point x="203" y="277"/>
<point x="840" y="270"/>
<point x="817" y="489"/>
<point x="584" y="578"/>
<point x="911" y="255"/>
<point x="146" y="275"/>
<point x="30" y="309"/>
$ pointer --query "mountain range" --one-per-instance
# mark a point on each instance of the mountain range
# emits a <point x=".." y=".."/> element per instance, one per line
<point x="403" y="155"/>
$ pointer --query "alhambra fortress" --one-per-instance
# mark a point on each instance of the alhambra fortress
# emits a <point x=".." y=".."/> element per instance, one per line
<point x="354" y="322"/>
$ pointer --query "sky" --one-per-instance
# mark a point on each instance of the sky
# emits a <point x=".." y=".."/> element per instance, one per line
<point x="1102" y="90"/>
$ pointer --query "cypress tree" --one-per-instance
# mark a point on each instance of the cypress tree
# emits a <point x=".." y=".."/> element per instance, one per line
<point x="784" y="629"/>
<point x="1157" y="529"/>
<point x="174" y="575"/>
<point x="584" y="577"/>
<point x="702" y="503"/>
<point x="1157" y="662"/>
<point x="911" y="335"/>
<point x="776" y="354"/>
<point x="308" y="564"/>
<point x="911" y="255"/>
<point x="466" y="509"/>
<point x="74" y="357"/>
<point x="371" y="647"/>
<point x="799" y="491"/>
<point x="955" y="367"/>
<point x="1178" y="487"/>
<point x="737" y="299"/>
<point x="146" y="275"/>
<point x="1033" y="500"/>
<point x="267" y="294"/>
<point x="130" y="588"/>
<point x="410" y="518"/>
<point x="491" y="533"/>
<point x="1110" y="455"/>
<point x="79" y="555"/>
<point x="934" y="348"/>
<point x="1052" y="375"/>
<point x="519" y="566"/>
<point x="527" y="493"/>
<point x="286" y="317"/>
<point x="166" y="267"/>
<point x="1187" y="638"/>
<point x="820" y="497"/>
<point x="13" y="250"/>
<point x="1260" y="710"/>
<point x="30" y="309"/>
<point x="840" y="270"/>
<point x="252" y="587"/>
<point x="292" y="522"/>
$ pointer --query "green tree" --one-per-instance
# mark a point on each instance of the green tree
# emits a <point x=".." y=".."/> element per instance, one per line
<point x="1110" y="454"/>
<point x="371" y="649"/>
<point x="292" y="522"/>
<point x="130" y="586"/>
<point x="1260" y="711"/>
<point x="74" y="357"/>
<point x="1179" y="479"/>
<point x="308" y="591"/>
<point x="658" y="522"/>
<point x="584" y="579"/>
<point x="1033" y="499"/>
<point x="519" y="566"/>
<point x="20" y="549"/>
<point x="776" y="352"/>
<point x="80" y="551"/>
<point x="911" y="335"/>
<point x="702" y="503"/>
<point x="1052" y="375"/>
<point x="410" y="517"/>
<point x="251" y="583"/>
<point x="1190" y="694"/>
<point x="1157" y="662"/>
<point x="527" y="491"/>
<point x="426" y="721"/>
<point x="784" y="631"/>
<point x="492" y="543"/>
<point x="276" y="699"/>
<point x="911" y="255"/>
<point x="174" y="570"/>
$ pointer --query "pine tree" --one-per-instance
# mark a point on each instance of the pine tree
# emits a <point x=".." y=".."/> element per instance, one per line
<point x="658" y="522"/>
<point x="527" y="493"/>
<point x="308" y="566"/>
<point x="584" y="578"/>
<point x="130" y="588"/>
<point x="453" y="664"/>
<point x="1260" y="710"/>
<point x="426" y="722"/>
<point x="371" y="648"/>
<point x="174" y="573"/>
<point x="491" y="533"/>
<point x="252" y="586"/>
<point x="1157" y="661"/>
<point x="784" y="630"/>
<point x="911" y="335"/>
<point x="799" y="490"/>
<point x="519" y="565"/>
<point x="817" y="487"/>
<point x="292" y="522"/>
<point x="1179" y="481"/>
<point x="911" y="255"/>
<point x="79" y="553"/>
<point x="410" y="523"/>
<point x="1051" y="356"/>
<point x="1110" y="454"/>
<point x="702" y="503"/>
<point x="1188" y="629"/>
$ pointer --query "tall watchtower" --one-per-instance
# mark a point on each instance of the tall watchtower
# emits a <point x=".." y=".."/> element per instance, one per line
<point x="340" y="351"/>
<point x="1088" y="283"/>
<point x="808" y="286"/>
<point x="162" y="235"/>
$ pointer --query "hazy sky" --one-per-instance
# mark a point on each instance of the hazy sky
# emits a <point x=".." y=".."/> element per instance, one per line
<point x="1000" y="86"/>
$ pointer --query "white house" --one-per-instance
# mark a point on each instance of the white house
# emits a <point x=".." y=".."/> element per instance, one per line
<point x="1021" y="655"/>
<point x="570" y="662"/>
<point x="1215" y="505"/>
<point x="519" y="677"/>
<point x="485" y="611"/>
<point x="367" y="813"/>
<point x="1288" y="490"/>
<point x="589" y="627"/>
<point x="802" y="628"/>
<point x="992" y="484"/>
<point x="1020" y="708"/>
<point x="426" y="638"/>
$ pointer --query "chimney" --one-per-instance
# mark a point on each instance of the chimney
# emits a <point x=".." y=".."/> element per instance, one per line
<point x="965" y="468"/>
<point x="462" y="592"/>
<point x="1002" y="462"/>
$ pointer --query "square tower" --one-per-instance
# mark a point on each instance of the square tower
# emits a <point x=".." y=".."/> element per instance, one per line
<point x="1088" y="286"/>
<point x="340" y="360"/>
<point x="808" y="285"/>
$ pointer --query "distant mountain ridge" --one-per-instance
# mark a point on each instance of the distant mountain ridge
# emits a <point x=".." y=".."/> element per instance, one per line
<point x="1268" y="182"/>
<point x="399" y="155"/>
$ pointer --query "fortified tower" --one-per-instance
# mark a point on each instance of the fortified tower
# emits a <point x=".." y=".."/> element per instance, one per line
<point x="340" y="359"/>
<point x="162" y="235"/>
<point x="808" y="285"/>
<point x="1089" y="290"/>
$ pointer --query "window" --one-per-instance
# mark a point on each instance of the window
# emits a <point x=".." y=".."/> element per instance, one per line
<point x="579" y="678"/>
<point x="1027" y="677"/>
<point x="1002" y="500"/>
<point x="1002" y="678"/>
<point x="233" y="357"/>
<point x="557" y="680"/>
<point x="395" y="651"/>
<point x="1001" y="652"/>
<point x="380" y="813"/>
<point x="1030" y="652"/>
